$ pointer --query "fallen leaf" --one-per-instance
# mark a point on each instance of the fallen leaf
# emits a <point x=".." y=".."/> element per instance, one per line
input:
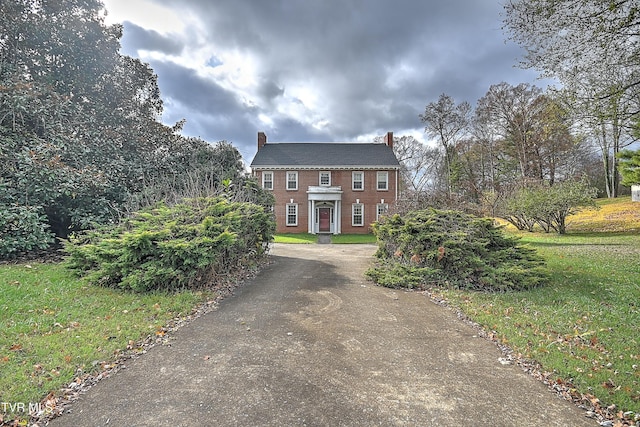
<point x="15" y="347"/>
<point x="608" y="384"/>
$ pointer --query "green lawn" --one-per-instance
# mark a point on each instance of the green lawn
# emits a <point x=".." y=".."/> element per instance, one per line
<point x="53" y="327"/>
<point x="306" y="238"/>
<point x="585" y="326"/>
<point x="353" y="238"/>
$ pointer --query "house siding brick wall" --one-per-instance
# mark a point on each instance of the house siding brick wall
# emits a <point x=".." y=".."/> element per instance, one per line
<point x="369" y="196"/>
<point x="308" y="160"/>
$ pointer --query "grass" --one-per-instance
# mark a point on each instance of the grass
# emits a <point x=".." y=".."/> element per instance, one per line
<point x="612" y="215"/>
<point x="584" y="327"/>
<point x="353" y="238"/>
<point x="54" y="327"/>
<point x="297" y="238"/>
<point x="305" y="238"/>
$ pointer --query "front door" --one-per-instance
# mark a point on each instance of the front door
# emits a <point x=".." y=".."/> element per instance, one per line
<point x="325" y="220"/>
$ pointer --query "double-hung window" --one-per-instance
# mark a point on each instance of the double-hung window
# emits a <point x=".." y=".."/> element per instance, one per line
<point x="325" y="179"/>
<point x="292" y="180"/>
<point x="383" y="180"/>
<point x="267" y="180"/>
<point x="292" y="214"/>
<point x="381" y="209"/>
<point x="357" y="180"/>
<point x="357" y="214"/>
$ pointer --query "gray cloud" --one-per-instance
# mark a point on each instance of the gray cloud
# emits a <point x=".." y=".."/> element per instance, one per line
<point x="372" y="66"/>
<point x="135" y="37"/>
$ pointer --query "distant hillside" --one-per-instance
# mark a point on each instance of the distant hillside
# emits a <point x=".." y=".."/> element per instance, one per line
<point x="619" y="214"/>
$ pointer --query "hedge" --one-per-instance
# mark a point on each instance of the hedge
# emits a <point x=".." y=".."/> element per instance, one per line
<point x="450" y="248"/>
<point x="173" y="247"/>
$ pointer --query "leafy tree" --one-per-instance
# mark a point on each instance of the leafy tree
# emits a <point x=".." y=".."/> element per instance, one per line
<point x="592" y="48"/>
<point x="72" y="111"/>
<point x="630" y="167"/>
<point x="22" y="229"/>
<point x="79" y="130"/>
<point x="547" y="206"/>
<point x="607" y="123"/>
<point x="447" y="122"/>
<point x="569" y="39"/>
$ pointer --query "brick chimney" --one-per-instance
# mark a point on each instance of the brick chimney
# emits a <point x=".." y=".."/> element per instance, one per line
<point x="388" y="139"/>
<point x="262" y="139"/>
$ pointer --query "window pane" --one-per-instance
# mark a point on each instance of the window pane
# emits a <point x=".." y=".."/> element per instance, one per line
<point x="267" y="180"/>
<point x="357" y="217"/>
<point x="357" y="181"/>
<point x="382" y="180"/>
<point x="292" y="180"/>
<point x="325" y="178"/>
<point x="292" y="214"/>
<point x="383" y="208"/>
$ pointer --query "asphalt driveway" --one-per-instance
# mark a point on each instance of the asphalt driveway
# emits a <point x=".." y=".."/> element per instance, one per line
<point x="310" y="342"/>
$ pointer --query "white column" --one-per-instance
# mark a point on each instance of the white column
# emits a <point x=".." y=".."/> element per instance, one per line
<point x="310" y="220"/>
<point x="338" y="214"/>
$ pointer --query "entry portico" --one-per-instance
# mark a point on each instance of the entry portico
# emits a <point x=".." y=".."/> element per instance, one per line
<point x="325" y="204"/>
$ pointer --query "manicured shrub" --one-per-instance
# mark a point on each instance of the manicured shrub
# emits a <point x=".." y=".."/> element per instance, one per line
<point x="451" y="248"/>
<point x="22" y="229"/>
<point x="172" y="247"/>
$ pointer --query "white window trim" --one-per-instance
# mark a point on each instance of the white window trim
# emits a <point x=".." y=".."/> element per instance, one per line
<point x="353" y="214"/>
<point x="353" y="180"/>
<point x="384" y="206"/>
<point x="386" y="182"/>
<point x="264" y="173"/>
<point x="287" y="180"/>
<point x="295" y="206"/>
<point x="320" y="178"/>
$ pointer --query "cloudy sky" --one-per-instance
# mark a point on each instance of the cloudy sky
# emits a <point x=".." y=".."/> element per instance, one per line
<point x="315" y="70"/>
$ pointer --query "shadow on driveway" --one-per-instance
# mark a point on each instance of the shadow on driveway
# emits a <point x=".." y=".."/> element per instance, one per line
<point x="310" y="342"/>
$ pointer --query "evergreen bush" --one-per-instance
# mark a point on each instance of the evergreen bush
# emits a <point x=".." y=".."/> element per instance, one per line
<point x="23" y="229"/>
<point x="451" y="248"/>
<point x="172" y="247"/>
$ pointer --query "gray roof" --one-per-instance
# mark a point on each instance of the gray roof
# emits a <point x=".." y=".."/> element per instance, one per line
<point x="324" y="154"/>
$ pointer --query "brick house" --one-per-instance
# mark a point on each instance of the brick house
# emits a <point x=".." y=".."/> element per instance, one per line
<point x="328" y="187"/>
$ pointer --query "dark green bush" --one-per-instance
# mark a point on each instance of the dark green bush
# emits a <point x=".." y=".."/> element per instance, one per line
<point x="22" y="229"/>
<point x="185" y="245"/>
<point x="451" y="248"/>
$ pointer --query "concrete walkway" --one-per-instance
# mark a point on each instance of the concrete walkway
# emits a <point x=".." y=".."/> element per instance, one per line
<point x="309" y="342"/>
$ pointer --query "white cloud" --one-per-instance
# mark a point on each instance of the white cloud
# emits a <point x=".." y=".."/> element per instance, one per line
<point x="147" y="14"/>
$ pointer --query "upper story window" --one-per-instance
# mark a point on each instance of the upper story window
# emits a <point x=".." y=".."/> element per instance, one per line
<point x="292" y="180"/>
<point x="383" y="180"/>
<point x="267" y="180"/>
<point x="325" y="179"/>
<point x="357" y="180"/>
